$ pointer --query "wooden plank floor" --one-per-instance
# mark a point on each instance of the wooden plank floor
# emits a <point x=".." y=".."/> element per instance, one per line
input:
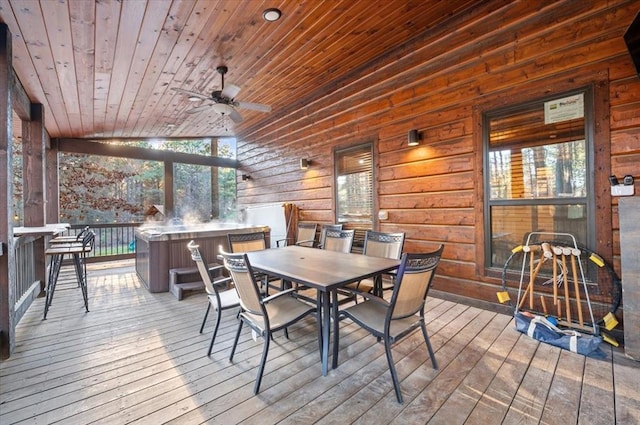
<point x="137" y="357"/>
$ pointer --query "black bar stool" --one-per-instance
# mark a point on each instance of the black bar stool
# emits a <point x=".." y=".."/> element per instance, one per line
<point x="78" y="248"/>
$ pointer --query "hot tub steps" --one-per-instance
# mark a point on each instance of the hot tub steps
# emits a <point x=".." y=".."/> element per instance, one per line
<point x="177" y="289"/>
<point x="188" y="279"/>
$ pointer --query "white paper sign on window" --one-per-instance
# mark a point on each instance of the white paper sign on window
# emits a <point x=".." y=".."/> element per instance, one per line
<point x="565" y="109"/>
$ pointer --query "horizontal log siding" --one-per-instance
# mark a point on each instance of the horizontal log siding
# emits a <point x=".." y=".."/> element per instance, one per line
<point x="500" y="53"/>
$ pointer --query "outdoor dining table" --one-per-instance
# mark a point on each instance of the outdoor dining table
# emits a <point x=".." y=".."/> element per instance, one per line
<point x="324" y="270"/>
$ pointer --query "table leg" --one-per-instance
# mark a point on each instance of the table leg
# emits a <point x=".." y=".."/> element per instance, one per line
<point x="334" y="314"/>
<point x="377" y="285"/>
<point x="319" y="312"/>
<point x="326" y="329"/>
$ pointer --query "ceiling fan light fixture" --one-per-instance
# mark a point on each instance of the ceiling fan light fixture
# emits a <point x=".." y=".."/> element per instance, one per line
<point x="222" y="108"/>
<point x="272" y="14"/>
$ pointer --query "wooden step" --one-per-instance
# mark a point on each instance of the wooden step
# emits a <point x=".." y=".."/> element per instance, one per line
<point x="177" y="289"/>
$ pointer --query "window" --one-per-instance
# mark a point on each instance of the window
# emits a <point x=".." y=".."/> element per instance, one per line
<point x="99" y="188"/>
<point x="354" y="185"/>
<point x="537" y="173"/>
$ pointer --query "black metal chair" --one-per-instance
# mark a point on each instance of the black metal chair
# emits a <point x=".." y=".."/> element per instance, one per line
<point x="323" y="232"/>
<point x="247" y="242"/>
<point x="78" y="249"/>
<point x="70" y="238"/>
<point x="219" y="300"/>
<point x="384" y="245"/>
<point x="264" y="315"/>
<point x="393" y="320"/>
<point x="305" y="235"/>
<point x="338" y="240"/>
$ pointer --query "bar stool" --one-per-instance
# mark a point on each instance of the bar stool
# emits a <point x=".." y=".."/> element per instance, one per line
<point x="70" y="238"/>
<point x="79" y="250"/>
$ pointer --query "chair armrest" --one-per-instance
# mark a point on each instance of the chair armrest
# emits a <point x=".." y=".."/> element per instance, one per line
<point x="277" y="294"/>
<point x="367" y="295"/>
<point x="224" y="281"/>
<point x="308" y="243"/>
<point x="215" y="268"/>
<point x="374" y="298"/>
<point x="282" y="242"/>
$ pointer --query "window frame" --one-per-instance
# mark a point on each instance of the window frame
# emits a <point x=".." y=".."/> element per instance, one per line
<point x="343" y="150"/>
<point x="589" y="136"/>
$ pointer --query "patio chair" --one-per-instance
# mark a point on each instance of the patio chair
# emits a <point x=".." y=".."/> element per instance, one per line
<point x="380" y="244"/>
<point x="305" y="235"/>
<point x="334" y="240"/>
<point x="264" y="315"/>
<point x="338" y="240"/>
<point x="246" y="242"/>
<point x="393" y="320"/>
<point x="219" y="300"/>
<point x="323" y="232"/>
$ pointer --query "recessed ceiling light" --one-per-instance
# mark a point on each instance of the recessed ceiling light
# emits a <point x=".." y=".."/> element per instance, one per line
<point x="271" y="14"/>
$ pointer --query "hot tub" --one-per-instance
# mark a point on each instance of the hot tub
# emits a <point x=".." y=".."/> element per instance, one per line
<point x="160" y="248"/>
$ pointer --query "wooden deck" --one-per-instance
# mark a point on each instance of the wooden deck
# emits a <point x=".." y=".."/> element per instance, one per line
<point x="137" y="357"/>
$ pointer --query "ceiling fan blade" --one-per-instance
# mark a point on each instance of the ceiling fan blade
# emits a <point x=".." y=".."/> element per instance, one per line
<point x="235" y="116"/>
<point x="199" y="109"/>
<point x="230" y="91"/>
<point x="253" y="106"/>
<point x="191" y="93"/>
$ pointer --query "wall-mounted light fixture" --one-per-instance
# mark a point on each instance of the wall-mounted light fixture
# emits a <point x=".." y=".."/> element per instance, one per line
<point x="304" y="163"/>
<point x="414" y="138"/>
<point x="271" y="14"/>
<point x="246" y="177"/>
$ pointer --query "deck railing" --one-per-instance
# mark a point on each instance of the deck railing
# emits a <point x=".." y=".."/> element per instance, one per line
<point x="25" y="267"/>
<point x="113" y="241"/>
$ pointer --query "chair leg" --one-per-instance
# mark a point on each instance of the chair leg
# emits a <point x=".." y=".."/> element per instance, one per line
<point x="81" y="276"/>
<point x="426" y="339"/>
<point x="205" y="316"/>
<point x="235" y="341"/>
<point x="392" y="369"/>
<point x="54" y="272"/>
<point x="263" y="361"/>
<point x="215" y="330"/>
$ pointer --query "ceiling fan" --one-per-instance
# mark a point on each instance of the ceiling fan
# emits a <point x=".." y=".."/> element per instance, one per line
<point x="222" y="101"/>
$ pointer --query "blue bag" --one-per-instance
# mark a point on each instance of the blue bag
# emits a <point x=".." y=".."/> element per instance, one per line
<point x="539" y="328"/>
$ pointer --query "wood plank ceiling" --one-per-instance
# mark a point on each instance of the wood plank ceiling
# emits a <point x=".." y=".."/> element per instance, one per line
<point x="106" y="68"/>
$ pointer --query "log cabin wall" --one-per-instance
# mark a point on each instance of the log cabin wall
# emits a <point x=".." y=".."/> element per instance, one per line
<point x="500" y="53"/>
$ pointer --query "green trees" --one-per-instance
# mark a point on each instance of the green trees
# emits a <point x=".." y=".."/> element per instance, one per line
<point x="101" y="189"/>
